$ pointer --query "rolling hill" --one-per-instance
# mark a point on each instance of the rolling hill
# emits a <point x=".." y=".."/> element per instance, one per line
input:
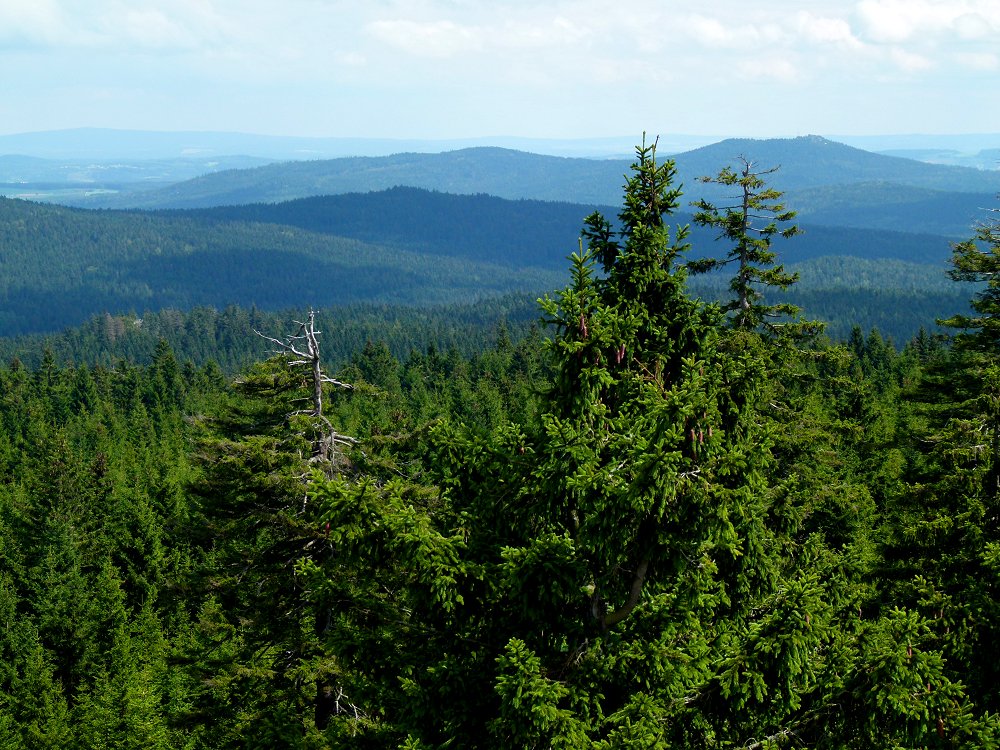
<point x="807" y="162"/>
<point x="437" y="228"/>
<point x="812" y="161"/>
<point x="401" y="246"/>
<point x="496" y="171"/>
<point x="882" y="205"/>
<point x="529" y="232"/>
<point x="59" y="265"/>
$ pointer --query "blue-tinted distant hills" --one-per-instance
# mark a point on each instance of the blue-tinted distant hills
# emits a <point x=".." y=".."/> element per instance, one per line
<point x="524" y="232"/>
<point x="806" y="163"/>
<point x="59" y="265"/>
<point x="116" y="145"/>
<point x="812" y="161"/>
<point x="107" y="144"/>
<point x="420" y="228"/>
<point x="893" y="207"/>
<point x="501" y="172"/>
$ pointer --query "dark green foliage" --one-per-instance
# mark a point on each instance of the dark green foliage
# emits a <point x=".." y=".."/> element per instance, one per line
<point x="472" y="227"/>
<point x="225" y="337"/>
<point x="653" y="562"/>
<point x="64" y="265"/>
<point x="647" y="529"/>
<point x="978" y="260"/>
<point x="749" y="224"/>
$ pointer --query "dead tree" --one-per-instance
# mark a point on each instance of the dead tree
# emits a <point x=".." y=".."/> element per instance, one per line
<point x="301" y="351"/>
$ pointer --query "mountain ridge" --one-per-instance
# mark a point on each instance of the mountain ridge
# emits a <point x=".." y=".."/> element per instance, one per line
<point x="514" y="174"/>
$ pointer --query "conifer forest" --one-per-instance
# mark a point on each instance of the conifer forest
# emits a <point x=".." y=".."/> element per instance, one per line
<point x="631" y="518"/>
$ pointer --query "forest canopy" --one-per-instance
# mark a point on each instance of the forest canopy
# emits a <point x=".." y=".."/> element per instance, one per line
<point x="661" y="524"/>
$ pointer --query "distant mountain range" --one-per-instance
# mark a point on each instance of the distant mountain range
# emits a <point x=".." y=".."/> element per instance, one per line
<point x="810" y="168"/>
<point x="60" y="265"/>
<point x="115" y="145"/>
<point x="420" y="228"/>
<point x="527" y="233"/>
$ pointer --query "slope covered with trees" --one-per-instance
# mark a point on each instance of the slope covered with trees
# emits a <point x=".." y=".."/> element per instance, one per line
<point x="478" y="227"/>
<point x="402" y="246"/>
<point x="62" y="265"/>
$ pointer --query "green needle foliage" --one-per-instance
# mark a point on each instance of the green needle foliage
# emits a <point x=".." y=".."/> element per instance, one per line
<point x="633" y="568"/>
<point x="663" y="526"/>
<point x="978" y="260"/>
<point x="942" y="534"/>
<point x="750" y="223"/>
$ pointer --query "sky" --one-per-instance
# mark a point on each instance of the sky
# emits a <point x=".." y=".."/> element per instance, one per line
<point x="477" y="68"/>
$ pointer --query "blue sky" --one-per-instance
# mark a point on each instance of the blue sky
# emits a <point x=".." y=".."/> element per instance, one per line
<point x="536" y="68"/>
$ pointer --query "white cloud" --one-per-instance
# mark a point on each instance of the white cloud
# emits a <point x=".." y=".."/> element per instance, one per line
<point x="888" y="20"/>
<point x="709" y="31"/>
<point x="986" y="61"/>
<point x="435" y="39"/>
<point x="825" y="30"/>
<point x="732" y="32"/>
<point x="909" y="62"/>
<point x="976" y="26"/>
<point x="894" y="21"/>
<point x="30" y="23"/>
<point x="637" y="58"/>
<point x="151" y="28"/>
<point x="114" y="25"/>
<point x="557" y="31"/>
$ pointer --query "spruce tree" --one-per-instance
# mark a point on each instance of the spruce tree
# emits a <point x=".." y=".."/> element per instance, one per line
<point x="941" y="529"/>
<point x="600" y="577"/>
<point x="756" y="215"/>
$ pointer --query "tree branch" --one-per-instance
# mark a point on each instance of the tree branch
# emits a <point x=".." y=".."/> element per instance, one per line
<point x="635" y="592"/>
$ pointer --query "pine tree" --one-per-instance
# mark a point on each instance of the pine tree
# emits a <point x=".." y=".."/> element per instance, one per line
<point x="750" y="223"/>
<point x="941" y="533"/>
<point x="978" y="260"/>
<point x="607" y="576"/>
<point x="257" y="521"/>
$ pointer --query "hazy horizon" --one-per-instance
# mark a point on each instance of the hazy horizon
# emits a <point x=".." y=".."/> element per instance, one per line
<point x="461" y="69"/>
<point x="109" y="144"/>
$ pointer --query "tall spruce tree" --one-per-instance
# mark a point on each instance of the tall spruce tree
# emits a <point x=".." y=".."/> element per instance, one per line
<point x="750" y="222"/>
<point x="943" y="542"/>
<point x="258" y="521"/>
<point x="608" y="576"/>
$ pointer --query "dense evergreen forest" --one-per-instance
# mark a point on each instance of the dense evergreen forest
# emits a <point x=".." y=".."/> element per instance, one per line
<point x="657" y="523"/>
<point x="421" y="253"/>
<point x="873" y="250"/>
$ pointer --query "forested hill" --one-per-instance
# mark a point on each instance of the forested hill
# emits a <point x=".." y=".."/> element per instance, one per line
<point x="805" y="163"/>
<point x="881" y="205"/>
<point x="530" y="233"/>
<point x="841" y="292"/>
<point x="811" y="161"/>
<point x="663" y="527"/>
<point x="401" y="246"/>
<point x="484" y="227"/>
<point x="61" y="265"/>
<point x="501" y="172"/>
